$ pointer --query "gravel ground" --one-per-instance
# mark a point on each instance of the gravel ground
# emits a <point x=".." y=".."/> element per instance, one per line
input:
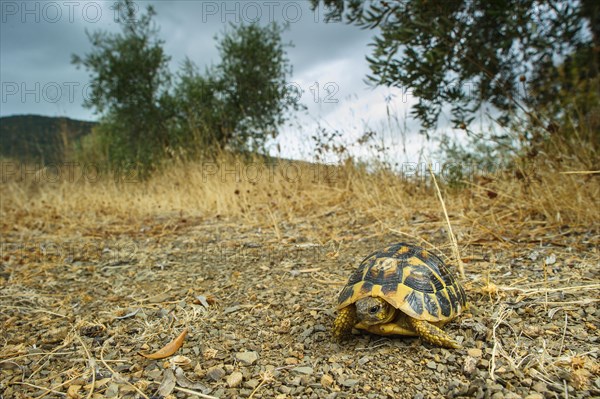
<point x="259" y="303"/>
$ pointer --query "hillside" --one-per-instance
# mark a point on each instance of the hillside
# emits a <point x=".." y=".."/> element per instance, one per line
<point x="39" y="138"/>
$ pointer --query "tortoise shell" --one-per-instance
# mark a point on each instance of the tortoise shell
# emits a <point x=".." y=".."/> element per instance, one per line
<point x="411" y="279"/>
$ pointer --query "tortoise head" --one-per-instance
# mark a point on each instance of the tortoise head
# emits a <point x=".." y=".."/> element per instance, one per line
<point x="372" y="310"/>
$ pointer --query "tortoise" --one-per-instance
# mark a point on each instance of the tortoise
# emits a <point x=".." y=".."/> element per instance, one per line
<point x="401" y="290"/>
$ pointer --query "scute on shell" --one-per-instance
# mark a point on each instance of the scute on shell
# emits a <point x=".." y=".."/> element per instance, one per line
<point x="411" y="279"/>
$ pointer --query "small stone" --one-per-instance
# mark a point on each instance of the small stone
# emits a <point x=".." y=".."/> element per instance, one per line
<point x="229" y="368"/>
<point x="307" y="333"/>
<point x="431" y="365"/>
<point x="215" y="373"/>
<point x="284" y="389"/>
<point x="326" y="381"/>
<point x="483" y="364"/>
<point x="539" y="387"/>
<point x="350" y="382"/>
<point x="295" y="381"/>
<point x="291" y="360"/>
<point x="475" y="352"/>
<point x="303" y="370"/>
<point x="155" y="374"/>
<point x="247" y="358"/>
<point x="234" y="379"/>
<point x="555" y="388"/>
<point x="112" y="391"/>
<point x="231" y="309"/>
<point x="253" y="383"/>
<point x="364" y="360"/>
<point x="534" y="396"/>
<point x="498" y="395"/>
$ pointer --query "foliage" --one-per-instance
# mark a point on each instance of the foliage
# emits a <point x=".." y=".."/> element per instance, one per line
<point x="469" y="53"/>
<point x="129" y="83"/>
<point x="464" y="163"/>
<point x="240" y="102"/>
<point x="573" y="98"/>
<point x="199" y="110"/>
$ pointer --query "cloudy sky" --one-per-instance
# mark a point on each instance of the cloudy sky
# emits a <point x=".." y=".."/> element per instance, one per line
<point x="37" y="39"/>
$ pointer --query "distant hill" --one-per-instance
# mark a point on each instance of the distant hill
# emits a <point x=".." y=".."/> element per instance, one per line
<point x="36" y="138"/>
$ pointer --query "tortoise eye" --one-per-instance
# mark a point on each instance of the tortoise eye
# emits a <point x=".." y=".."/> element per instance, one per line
<point x="374" y="309"/>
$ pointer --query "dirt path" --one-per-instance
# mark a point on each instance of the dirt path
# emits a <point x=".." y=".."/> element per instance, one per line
<point x="94" y="300"/>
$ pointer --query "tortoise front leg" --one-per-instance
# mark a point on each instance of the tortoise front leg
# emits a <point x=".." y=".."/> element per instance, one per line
<point x="432" y="334"/>
<point x="342" y="326"/>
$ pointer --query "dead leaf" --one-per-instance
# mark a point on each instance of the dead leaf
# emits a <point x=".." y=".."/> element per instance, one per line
<point x="185" y="382"/>
<point x="169" y="348"/>
<point x="167" y="384"/>
<point x="205" y="300"/>
<point x="128" y="315"/>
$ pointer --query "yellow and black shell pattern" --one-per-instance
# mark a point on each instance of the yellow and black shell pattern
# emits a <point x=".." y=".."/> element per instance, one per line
<point x="409" y="278"/>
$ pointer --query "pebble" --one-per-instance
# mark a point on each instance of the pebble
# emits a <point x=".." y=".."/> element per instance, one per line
<point x="474" y="352"/>
<point x="539" y="387"/>
<point x="364" y="360"/>
<point x="155" y="374"/>
<point x="307" y="333"/>
<point x="350" y="382"/>
<point x="470" y="365"/>
<point x="326" y="380"/>
<point x="112" y="391"/>
<point x="558" y="388"/>
<point x="303" y="370"/>
<point x="431" y="364"/>
<point x="483" y="364"/>
<point x="231" y="309"/>
<point x="247" y="358"/>
<point x="534" y="396"/>
<point x="215" y="373"/>
<point x="234" y="379"/>
<point x="284" y="389"/>
<point x="253" y="383"/>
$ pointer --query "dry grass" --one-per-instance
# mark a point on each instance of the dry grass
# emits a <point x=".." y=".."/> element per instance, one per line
<point x="492" y="207"/>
